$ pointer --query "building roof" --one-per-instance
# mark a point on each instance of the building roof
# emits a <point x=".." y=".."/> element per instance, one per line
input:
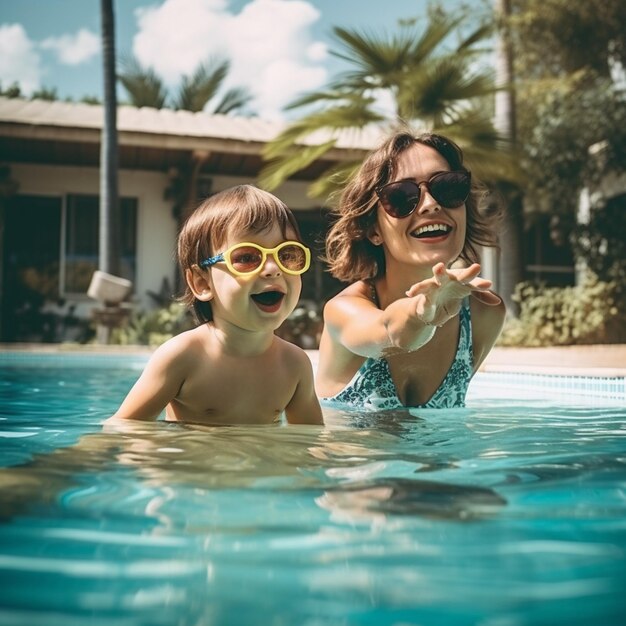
<point x="28" y="128"/>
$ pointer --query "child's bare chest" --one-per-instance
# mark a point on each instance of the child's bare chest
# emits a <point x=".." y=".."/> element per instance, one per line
<point x="249" y="392"/>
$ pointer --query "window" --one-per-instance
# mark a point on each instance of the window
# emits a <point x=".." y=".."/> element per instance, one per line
<point x="549" y="258"/>
<point x="81" y="240"/>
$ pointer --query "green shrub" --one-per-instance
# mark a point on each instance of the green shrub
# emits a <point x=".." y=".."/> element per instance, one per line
<point x="152" y="328"/>
<point x="592" y="312"/>
<point x="303" y="327"/>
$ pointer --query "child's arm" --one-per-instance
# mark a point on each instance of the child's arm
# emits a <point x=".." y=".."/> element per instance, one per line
<point x="304" y="407"/>
<point x="159" y="383"/>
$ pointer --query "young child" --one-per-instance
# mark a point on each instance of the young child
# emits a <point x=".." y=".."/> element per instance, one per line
<point x="242" y="260"/>
<point x="409" y="331"/>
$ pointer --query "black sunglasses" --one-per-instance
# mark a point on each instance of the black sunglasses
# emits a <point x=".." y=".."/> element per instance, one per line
<point x="449" y="189"/>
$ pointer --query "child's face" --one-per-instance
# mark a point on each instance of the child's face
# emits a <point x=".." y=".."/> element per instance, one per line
<point x="432" y="233"/>
<point x="257" y="301"/>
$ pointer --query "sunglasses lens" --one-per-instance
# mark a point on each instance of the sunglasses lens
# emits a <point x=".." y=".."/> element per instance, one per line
<point x="246" y="259"/>
<point x="450" y="189"/>
<point x="292" y="257"/>
<point x="400" y="199"/>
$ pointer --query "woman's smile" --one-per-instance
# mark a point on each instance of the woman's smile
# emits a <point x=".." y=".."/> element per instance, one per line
<point x="432" y="232"/>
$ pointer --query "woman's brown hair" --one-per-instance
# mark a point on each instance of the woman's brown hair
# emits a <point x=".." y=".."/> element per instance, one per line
<point x="351" y="256"/>
<point x="243" y="209"/>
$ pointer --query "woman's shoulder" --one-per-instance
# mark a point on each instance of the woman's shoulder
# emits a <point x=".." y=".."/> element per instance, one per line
<point x="363" y="289"/>
<point x="353" y="300"/>
<point x="486" y="311"/>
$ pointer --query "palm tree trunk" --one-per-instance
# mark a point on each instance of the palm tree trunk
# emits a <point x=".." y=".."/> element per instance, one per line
<point x="109" y="238"/>
<point x="511" y="262"/>
<point x="109" y="231"/>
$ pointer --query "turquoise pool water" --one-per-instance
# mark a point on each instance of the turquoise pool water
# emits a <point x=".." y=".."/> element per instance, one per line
<point x="511" y="512"/>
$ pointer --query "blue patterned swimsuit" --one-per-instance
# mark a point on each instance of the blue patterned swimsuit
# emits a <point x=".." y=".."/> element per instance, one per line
<point x="372" y="387"/>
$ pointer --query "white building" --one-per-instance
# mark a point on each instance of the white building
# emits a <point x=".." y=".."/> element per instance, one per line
<point x="49" y="226"/>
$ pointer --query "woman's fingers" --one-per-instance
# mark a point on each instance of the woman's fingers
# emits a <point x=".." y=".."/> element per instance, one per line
<point x="458" y="282"/>
<point x="424" y="286"/>
<point x="466" y="274"/>
<point x="480" y="284"/>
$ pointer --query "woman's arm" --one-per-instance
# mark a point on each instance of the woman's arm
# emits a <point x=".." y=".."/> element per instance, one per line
<point x="362" y="328"/>
<point x="407" y="324"/>
<point x="487" y="322"/>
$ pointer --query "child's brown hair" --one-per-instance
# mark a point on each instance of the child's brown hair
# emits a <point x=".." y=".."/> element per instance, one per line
<point x="243" y="208"/>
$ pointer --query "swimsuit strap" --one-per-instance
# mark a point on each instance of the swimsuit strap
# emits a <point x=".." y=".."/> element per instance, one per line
<point x="373" y="292"/>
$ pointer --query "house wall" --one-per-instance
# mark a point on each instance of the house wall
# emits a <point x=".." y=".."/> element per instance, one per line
<point x="156" y="226"/>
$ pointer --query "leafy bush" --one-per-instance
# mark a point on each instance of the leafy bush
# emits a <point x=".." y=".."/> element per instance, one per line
<point x="592" y="312"/>
<point x="303" y="327"/>
<point x="152" y="328"/>
<point x="602" y="241"/>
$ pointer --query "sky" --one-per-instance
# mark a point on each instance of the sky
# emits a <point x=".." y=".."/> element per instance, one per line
<point x="278" y="49"/>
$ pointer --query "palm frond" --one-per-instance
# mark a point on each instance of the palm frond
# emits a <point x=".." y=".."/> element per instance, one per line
<point x="144" y="87"/>
<point x="196" y="90"/>
<point x="375" y="63"/>
<point x="431" y="85"/>
<point x="441" y="86"/>
<point x="332" y="120"/>
<point x="331" y="183"/>
<point x="371" y="53"/>
<point x="314" y="97"/>
<point x="438" y="29"/>
<point x="488" y="153"/>
<point x="280" y="169"/>
<point x="234" y="99"/>
<point x="480" y="34"/>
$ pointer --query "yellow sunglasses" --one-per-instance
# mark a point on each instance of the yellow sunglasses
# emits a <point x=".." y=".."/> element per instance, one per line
<point x="244" y="259"/>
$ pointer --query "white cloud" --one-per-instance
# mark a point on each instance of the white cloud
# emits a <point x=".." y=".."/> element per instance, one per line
<point x="19" y="59"/>
<point x="317" y="51"/>
<point x="73" y="49"/>
<point x="269" y="44"/>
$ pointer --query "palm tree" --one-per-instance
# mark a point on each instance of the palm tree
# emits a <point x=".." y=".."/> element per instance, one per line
<point x="511" y="264"/>
<point x="430" y="86"/>
<point x="194" y="93"/>
<point x="109" y="220"/>
<point x="146" y="88"/>
<point x="109" y="247"/>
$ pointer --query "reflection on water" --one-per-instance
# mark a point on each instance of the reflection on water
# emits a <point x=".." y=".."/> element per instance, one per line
<point x="499" y="515"/>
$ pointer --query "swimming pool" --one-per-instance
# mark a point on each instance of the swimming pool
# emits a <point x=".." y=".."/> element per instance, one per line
<point x="509" y="512"/>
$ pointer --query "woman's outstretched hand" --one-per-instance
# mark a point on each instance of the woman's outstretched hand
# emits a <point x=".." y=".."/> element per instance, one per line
<point x="439" y="298"/>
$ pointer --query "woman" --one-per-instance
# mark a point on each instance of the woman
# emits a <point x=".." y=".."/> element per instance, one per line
<point x="410" y="330"/>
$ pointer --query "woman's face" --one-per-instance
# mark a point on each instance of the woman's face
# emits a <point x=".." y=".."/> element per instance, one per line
<point x="432" y="233"/>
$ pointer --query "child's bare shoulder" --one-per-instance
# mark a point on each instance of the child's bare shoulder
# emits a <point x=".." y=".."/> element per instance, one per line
<point x="183" y="347"/>
<point x="292" y="354"/>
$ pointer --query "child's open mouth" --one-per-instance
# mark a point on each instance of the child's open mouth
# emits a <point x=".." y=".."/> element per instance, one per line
<point x="268" y="301"/>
